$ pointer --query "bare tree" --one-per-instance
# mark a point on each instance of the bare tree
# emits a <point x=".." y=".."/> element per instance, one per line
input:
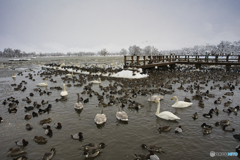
<point x="147" y="50"/>
<point x="134" y="50"/>
<point x="123" y="52"/>
<point x="104" y="52"/>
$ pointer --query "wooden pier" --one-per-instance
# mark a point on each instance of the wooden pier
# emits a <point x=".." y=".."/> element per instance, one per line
<point x="146" y="62"/>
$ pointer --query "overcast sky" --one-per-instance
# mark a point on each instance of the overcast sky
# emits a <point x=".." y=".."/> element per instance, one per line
<point x="91" y="25"/>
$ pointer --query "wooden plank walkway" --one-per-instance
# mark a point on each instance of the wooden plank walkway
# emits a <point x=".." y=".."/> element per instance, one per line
<point x="164" y="60"/>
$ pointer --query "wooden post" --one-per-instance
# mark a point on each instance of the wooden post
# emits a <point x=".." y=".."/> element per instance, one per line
<point x="137" y="60"/>
<point x="125" y="60"/>
<point x="238" y="58"/>
<point x="216" y="59"/>
<point x="144" y="60"/>
<point x="195" y="58"/>
<point x="227" y="58"/>
<point x="132" y="60"/>
<point x="185" y="58"/>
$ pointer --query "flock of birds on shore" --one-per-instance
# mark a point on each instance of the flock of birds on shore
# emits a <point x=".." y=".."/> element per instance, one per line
<point x="130" y="89"/>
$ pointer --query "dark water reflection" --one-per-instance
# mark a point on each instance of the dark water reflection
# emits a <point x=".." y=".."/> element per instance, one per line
<point x="122" y="139"/>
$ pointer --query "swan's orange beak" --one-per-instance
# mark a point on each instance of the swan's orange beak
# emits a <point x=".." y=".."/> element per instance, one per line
<point x="155" y="101"/>
<point x="172" y="98"/>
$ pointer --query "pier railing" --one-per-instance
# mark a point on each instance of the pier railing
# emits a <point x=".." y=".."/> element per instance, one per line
<point x="141" y="61"/>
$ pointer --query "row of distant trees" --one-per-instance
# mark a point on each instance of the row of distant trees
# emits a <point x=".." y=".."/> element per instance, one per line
<point x="223" y="48"/>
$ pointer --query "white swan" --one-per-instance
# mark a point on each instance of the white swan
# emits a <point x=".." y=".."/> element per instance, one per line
<point x="153" y="97"/>
<point x="97" y="82"/>
<point x="64" y="92"/>
<point x="165" y="114"/>
<point x="14" y="76"/>
<point x="78" y="105"/>
<point x="43" y="84"/>
<point x="121" y="115"/>
<point x="100" y="118"/>
<point x="180" y="104"/>
<point x="69" y="75"/>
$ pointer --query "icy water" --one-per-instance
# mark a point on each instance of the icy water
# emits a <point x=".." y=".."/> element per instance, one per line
<point x="122" y="139"/>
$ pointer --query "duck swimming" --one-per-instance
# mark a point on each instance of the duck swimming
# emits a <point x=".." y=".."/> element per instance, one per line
<point x="40" y="139"/>
<point x="180" y="104"/>
<point x="164" y="129"/>
<point x="22" y="143"/>
<point x="57" y="125"/>
<point x="49" y="155"/>
<point x="16" y="151"/>
<point x="195" y="116"/>
<point x="152" y="147"/>
<point x="179" y="129"/>
<point x="29" y="127"/>
<point x="77" y="136"/>
<point x="45" y="121"/>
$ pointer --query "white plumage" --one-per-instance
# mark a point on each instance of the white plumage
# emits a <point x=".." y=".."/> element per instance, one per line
<point x="97" y="82"/>
<point x="180" y="104"/>
<point x="165" y="114"/>
<point x="64" y="92"/>
<point x="78" y="105"/>
<point x="100" y="118"/>
<point x="43" y="84"/>
<point x="121" y="115"/>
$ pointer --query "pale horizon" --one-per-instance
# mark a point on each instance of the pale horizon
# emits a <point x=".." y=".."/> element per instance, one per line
<point x="89" y="26"/>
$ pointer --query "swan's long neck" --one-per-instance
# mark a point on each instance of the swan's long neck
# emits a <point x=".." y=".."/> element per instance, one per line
<point x="64" y="88"/>
<point x="176" y="100"/>
<point x="72" y="72"/>
<point x="158" y="108"/>
<point x="99" y="80"/>
<point x="119" y="109"/>
<point x="78" y="98"/>
<point x="45" y="81"/>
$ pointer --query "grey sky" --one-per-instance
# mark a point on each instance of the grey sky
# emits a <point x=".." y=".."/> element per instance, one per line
<point x="91" y="25"/>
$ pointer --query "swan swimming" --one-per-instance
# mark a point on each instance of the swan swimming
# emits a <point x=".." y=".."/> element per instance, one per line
<point x="165" y="114"/>
<point x="64" y="92"/>
<point x="153" y="97"/>
<point x="69" y="75"/>
<point x="97" y="82"/>
<point x="78" y="105"/>
<point x="180" y="104"/>
<point x="121" y="115"/>
<point x="43" y="84"/>
<point x="100" y="118"/>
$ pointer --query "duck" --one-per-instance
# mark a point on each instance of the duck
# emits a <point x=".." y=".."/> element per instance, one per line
<point x="27" y="117"/>
<point x="237" y="136"/>
<point x="48" y="132"/>
<point x="86" y="100"/>
<point x="43" y="84"/>
<point x="178" y="129"/>
<point x="1" y="120"/>
<point x="34" y="114"/>
<point x="12" y="110"/>
<point x="165" y="114"/>
<point x="49" y="155"/>
<point x="121" y="115"/>
<point x="64" y="92"/>
<point x="100" y="118"/>
<point x="204" y="125"/>
<point x="195" y="116"/>
<point x="92" y="153"/>
<point x="46" y="126"/>
<point x="44" y="102"/>
<point x="222" y="123"/>
<point x="164" y="129"/>
<point x="78" y="105"/>
<point x="96" y="82"/>
<point x="16" y="151"/>
<point x="228" y="129"/>
<point x="92" y="146"/>
<point x="180" y="104"/>
<point x="152" y="147"/>
<point x="45" y="121"/>
<point x="57" y="125"/>
<point x="29" y="108"/>
<point x="207" y="131"/>
<point x="77" y="136"/>
<point x="153" y="97"/>
<point x="207" y="115"/>
<point x="150" y="156"/>
<point x="40" y="139"/>
<point x="29" y="127"/>
<point x="22" y="143"/>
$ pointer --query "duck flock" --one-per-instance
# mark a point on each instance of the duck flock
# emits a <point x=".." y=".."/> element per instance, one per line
<point x="164" y="98"/>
